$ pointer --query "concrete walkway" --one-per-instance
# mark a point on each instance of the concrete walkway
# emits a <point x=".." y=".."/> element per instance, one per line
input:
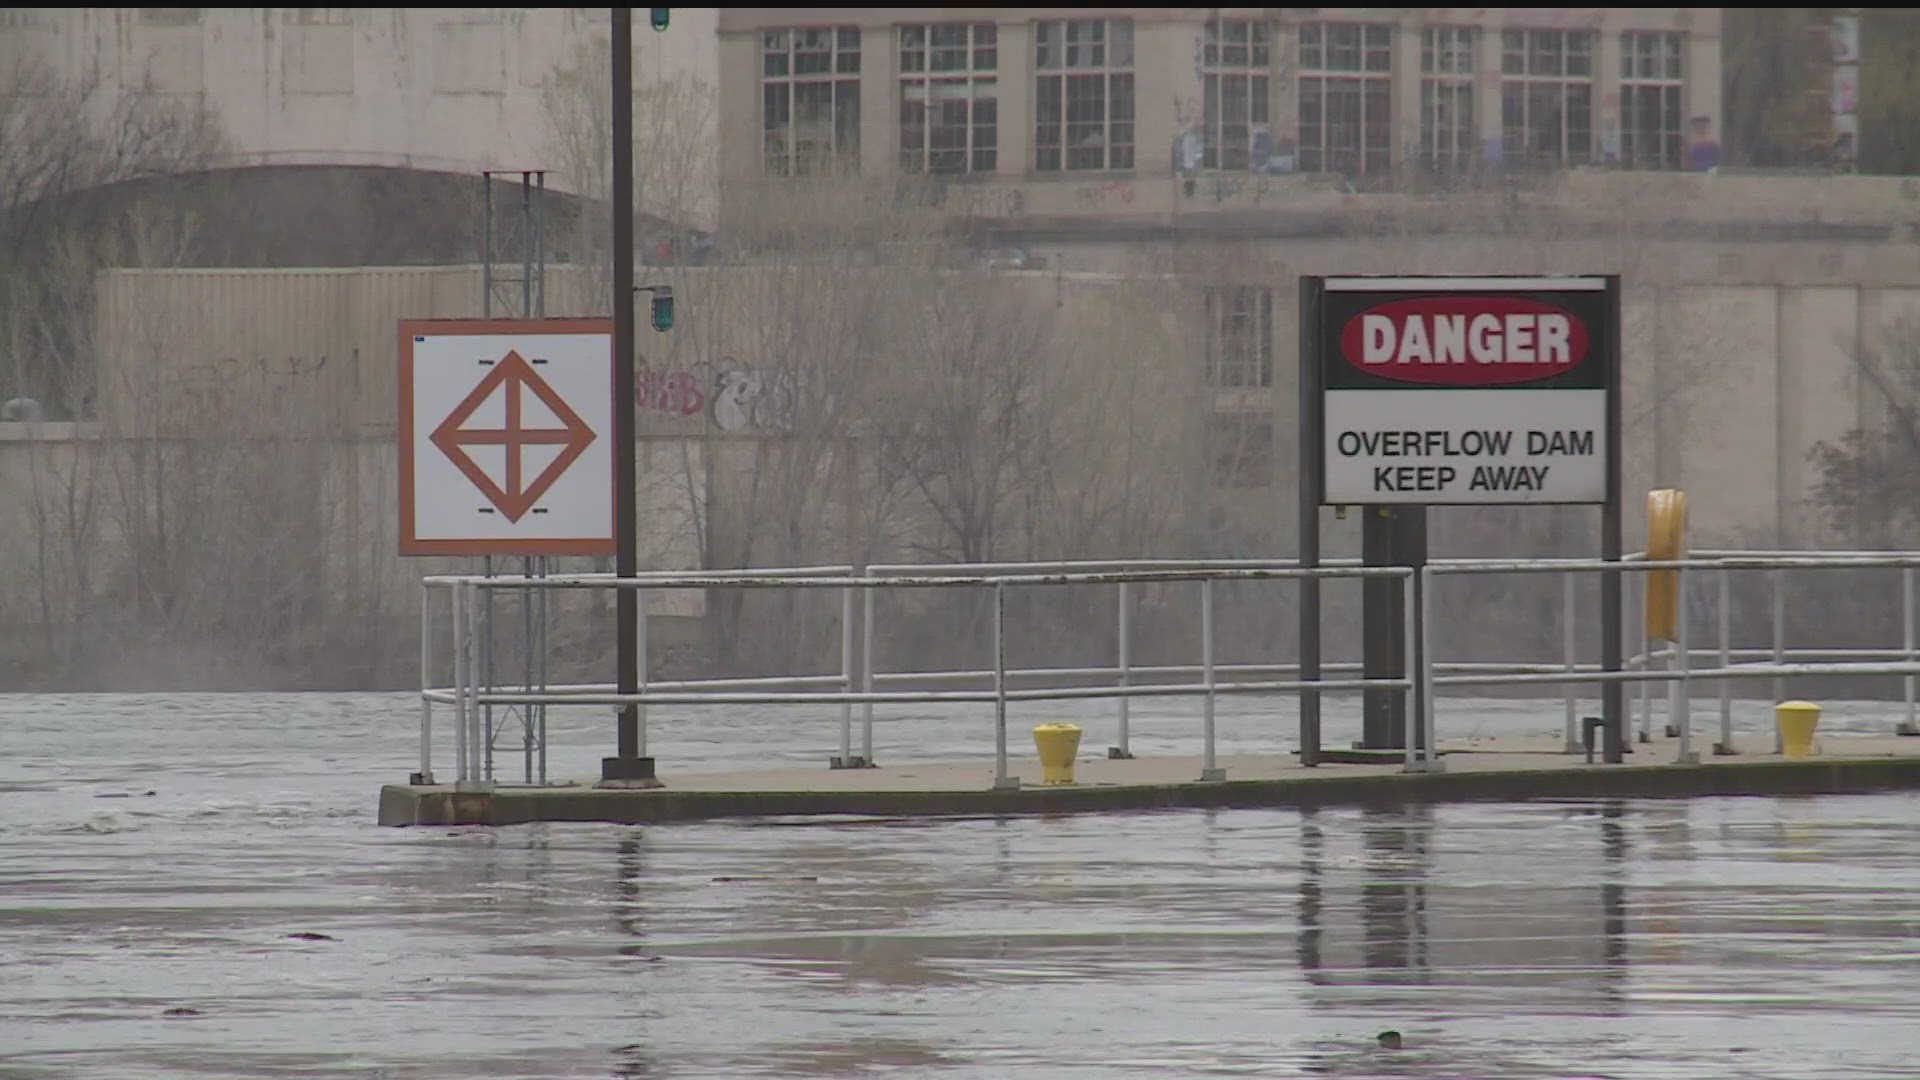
<point x="1473" y="769"/>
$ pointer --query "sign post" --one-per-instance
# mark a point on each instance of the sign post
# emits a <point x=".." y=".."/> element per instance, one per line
<point x="1455" y="391"/>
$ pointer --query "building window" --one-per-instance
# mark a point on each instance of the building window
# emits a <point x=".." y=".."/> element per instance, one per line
<point x="1083" y="95"/>
<point x="1346" y="98"/>
<point x="1546" y="98"/>
<point x="1650" y="86"/>
<point x="1447" y="138"/>
<point x="1237" y="56"/>
<point x="1242" y="445"/>
<point x="810" y="100"/>
<point x="949" y="99"/>
<point x="1239" y="337"/>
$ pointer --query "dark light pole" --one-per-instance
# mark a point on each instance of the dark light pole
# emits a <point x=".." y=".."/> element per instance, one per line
<point x="628" y="767"/>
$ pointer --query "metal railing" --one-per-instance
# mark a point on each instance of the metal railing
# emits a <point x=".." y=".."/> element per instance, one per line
<point x="858" y="681"/>
<point x="473" y="764"/>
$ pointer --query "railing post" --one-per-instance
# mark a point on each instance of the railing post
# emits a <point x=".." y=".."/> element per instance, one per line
<point x="1124" y="749"/>
<point x="472" y="720"/>
<point x="1779" y="646"/>
<point x="479" y="758"/>
<point x="1724" y="747"/>
<point x="1683" y="687"/>
<point x="1421" y="587"/>
<point x="1002" y="780"/>
<point x="1210" y="766"/>
<point x="457" y="607"/>
<point x="866" y="668"/>
<point x="844" y="761"/>
<point x="1567" y="657"/>
<point x="1907" y="727"/>
<point x="488" y="679"/>
<point x="1639" y="592"/>
<point x="640" y="661"/>
<point x="425" y="776"/>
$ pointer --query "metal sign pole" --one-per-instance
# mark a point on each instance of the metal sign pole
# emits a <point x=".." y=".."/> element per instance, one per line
<point x="1312" y="294"/>
<point x="1613" y="695"/>
<point x="628" y="767"/>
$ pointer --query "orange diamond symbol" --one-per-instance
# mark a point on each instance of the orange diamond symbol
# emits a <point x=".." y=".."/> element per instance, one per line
<point x="517" y="378"/>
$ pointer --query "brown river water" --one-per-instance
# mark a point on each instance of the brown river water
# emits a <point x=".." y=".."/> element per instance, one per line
<point x="1622" y="939"/>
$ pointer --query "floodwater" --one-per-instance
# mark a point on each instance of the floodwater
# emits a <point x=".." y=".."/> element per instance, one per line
<point x="157" y="851"/>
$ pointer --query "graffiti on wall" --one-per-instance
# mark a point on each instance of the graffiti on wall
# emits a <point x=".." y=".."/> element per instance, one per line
<point x="751" y="398"/>
<point x="669" y="393"/>
<point x="737" y="397"/>
<point x="987" y="200"/>
<point x="1089" y="196"/>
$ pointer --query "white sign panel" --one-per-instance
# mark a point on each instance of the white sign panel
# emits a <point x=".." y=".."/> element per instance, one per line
<point x="506" y="437"/>
<point x="1465" y="390"/>
<point x="1466" y="446"/>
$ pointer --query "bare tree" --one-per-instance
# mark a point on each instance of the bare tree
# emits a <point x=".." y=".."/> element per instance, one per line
<point x="1776" y="63"/>
<point x="1866" y="476"/>
<point x="62" y="144"/>
<point x="674" y="160"/>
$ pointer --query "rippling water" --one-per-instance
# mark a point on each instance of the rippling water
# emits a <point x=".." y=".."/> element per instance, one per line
<point x="1728" y="937"/>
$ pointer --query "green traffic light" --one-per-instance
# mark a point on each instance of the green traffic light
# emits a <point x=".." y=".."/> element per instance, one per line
<point x="663" y="312"/>
<point x="660" y="17"/>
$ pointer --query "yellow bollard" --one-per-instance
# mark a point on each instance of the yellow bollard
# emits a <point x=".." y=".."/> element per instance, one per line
<point x="1666" y="542"/>
<point x="1797" y="719"/>
<point x="1057" y="743"/>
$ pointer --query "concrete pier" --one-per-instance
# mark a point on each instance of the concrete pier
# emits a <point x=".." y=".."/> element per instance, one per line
<point x="1493" y="769"/>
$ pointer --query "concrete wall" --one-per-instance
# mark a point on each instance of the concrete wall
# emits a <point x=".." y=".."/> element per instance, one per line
<point x="1728" y="385"/>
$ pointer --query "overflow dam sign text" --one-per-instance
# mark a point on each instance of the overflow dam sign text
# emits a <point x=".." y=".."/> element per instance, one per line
<point x="1466" y="390"/>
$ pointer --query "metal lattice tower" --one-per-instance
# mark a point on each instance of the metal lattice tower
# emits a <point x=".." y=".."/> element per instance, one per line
<point x="513" y="284"/>
<point x="513" y="244"/>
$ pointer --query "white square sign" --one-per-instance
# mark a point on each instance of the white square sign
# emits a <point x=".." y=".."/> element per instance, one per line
<point x="506" y="437"/>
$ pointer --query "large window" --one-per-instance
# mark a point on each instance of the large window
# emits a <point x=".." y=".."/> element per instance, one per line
<point x="1346" y="98"/>
<point x="1546" y="98"/>
<point x="1239" y="337"/>
<point x="949" y="99"/>
<point x="1083" y="95"/>
<point x="810" y="100"/>
<point x="1447" y="138"/>
<point x="1237" y="56"/>
<point x="1650" y="87"/>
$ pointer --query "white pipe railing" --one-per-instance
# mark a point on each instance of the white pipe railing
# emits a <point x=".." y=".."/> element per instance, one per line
<point x="468" y="699"/>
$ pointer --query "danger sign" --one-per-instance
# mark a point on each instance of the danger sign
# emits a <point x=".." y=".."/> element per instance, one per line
<point x="506" y="441"/>
<point x="1465" y="390"/>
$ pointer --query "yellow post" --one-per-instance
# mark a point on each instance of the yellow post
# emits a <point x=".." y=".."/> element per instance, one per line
<point x="1797" y="719"/>
<point x="1666" y="542"/>
<point x="1057" y="743"/>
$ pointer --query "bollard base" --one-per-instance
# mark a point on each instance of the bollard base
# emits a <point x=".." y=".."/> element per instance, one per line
<point x="1427" y="765"/>
<point x="1006" y="783"/>
<point x="1573" y="747"/>
<point x="854" y="761"/>
<point x="420" y="779"/>
<point x="1121" y="753"/>
<point x="1673" y="731"/>
<point x="1908" y="730"/>
<point x="1721" y="749"/>
<point x="473" y="787"/>
<point x="627" y="773"/>
<point x="1645" y="738"/>
<point x="1691" y="757"/>
<point x="1213" y="776"/>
